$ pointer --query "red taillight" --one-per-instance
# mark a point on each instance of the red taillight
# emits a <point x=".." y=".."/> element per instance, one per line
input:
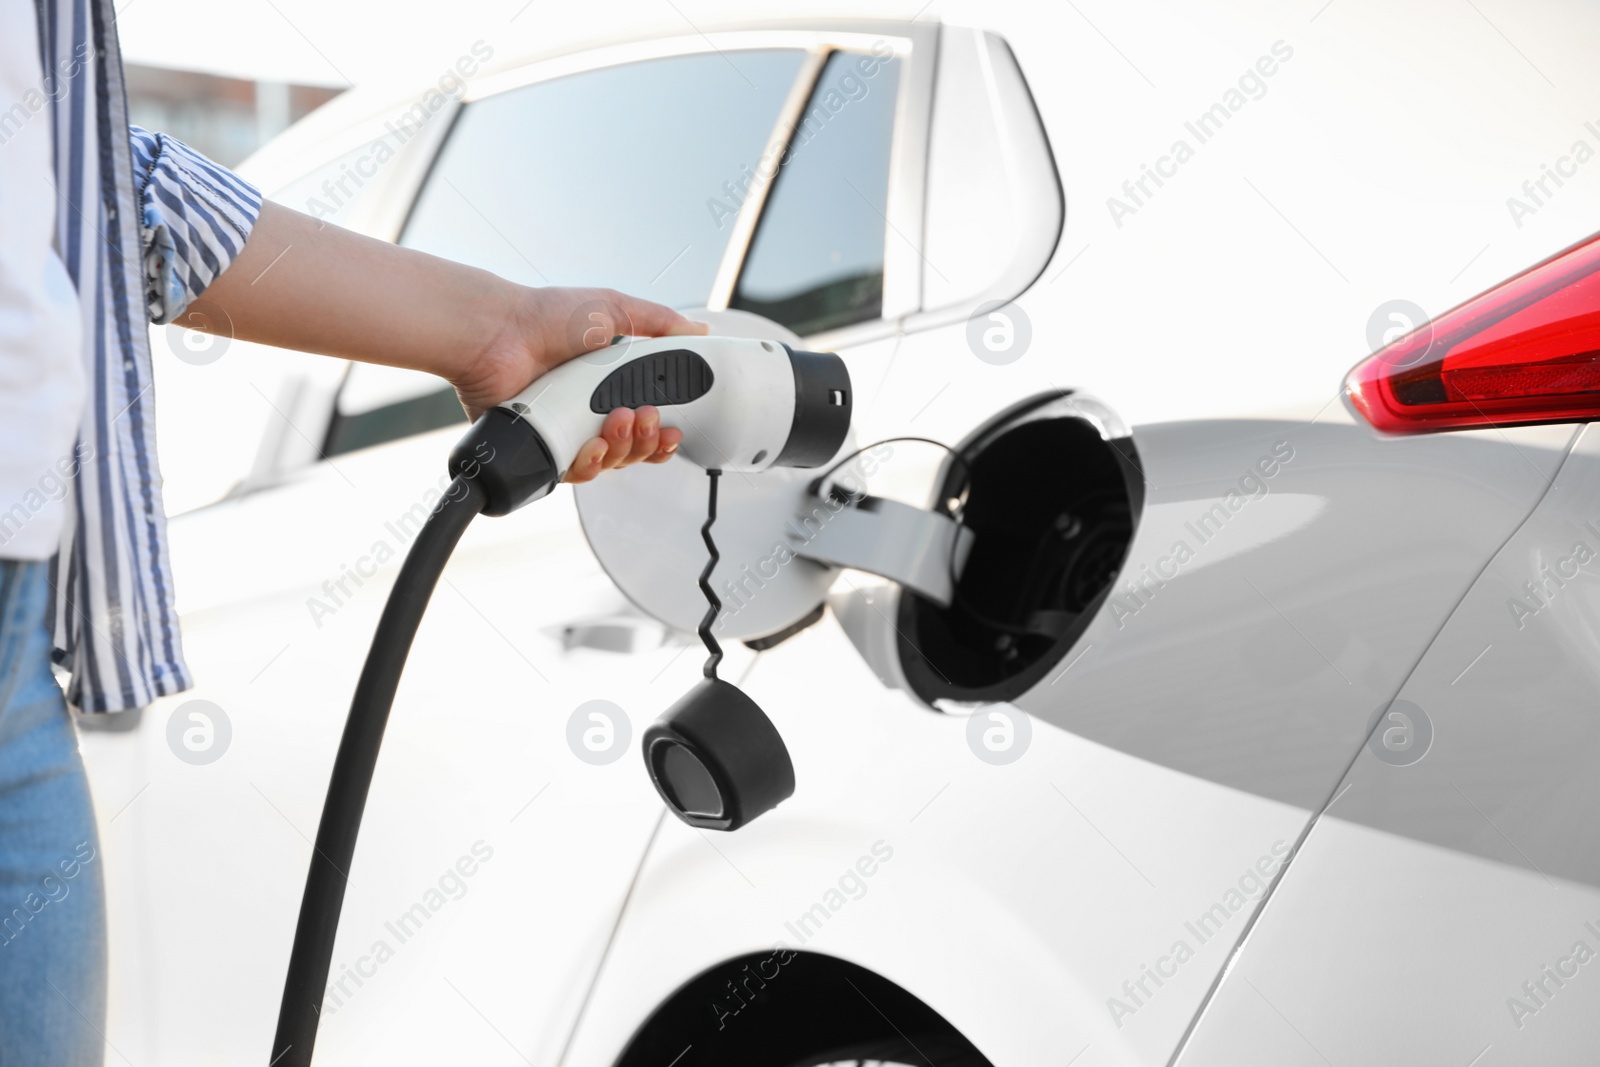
<point x="1526" y="351"/>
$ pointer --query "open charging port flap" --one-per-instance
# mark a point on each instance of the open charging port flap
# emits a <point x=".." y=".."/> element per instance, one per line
<point x="1053" y="493"/>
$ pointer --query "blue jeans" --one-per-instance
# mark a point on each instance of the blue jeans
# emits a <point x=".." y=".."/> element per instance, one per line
<point x="52" y="896"/>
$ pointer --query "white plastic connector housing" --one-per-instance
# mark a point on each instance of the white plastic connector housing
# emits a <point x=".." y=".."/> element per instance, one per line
<point x="739" y="424"/>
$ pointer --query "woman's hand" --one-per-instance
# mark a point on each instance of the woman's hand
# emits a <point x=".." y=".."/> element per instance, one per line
<point x="543" y="329"/>
<point x="626" y="437"/>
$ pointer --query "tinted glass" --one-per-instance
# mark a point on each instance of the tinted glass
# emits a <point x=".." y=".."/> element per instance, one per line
<point x="817" y="259"/>
<point x="609" y="177"/>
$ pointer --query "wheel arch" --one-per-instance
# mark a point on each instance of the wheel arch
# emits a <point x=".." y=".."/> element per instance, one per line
<point x="791" y="1007"/>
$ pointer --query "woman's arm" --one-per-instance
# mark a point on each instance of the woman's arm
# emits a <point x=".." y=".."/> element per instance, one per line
<point x="305" y="284"/>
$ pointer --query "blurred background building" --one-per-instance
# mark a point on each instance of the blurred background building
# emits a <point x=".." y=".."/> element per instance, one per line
<point x="226" y="78"/>
<point x="227" y="118"/>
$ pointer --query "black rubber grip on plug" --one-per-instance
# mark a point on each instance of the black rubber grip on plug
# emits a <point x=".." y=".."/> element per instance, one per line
<point x="661" y="378"/>
<point x="503" y="455"/>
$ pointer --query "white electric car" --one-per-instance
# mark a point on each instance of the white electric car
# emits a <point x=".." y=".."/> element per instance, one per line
<point x="1262" y="727"/>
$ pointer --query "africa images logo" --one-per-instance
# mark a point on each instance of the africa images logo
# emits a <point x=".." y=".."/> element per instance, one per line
<point x="1247" y="890"/>
<point x="1140" y="589"/>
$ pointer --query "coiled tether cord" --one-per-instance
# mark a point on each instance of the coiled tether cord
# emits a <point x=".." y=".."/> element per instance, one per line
<point x="312" y="956"/>
<point x="714" y="650"/>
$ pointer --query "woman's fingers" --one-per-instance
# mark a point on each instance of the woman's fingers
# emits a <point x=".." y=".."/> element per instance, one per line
<point x="646" y="434"/>
<point x="668" y="446"/>
<point x="618" y="433"/>
<point x="646" y="318"/>
<point x="626" y="437"/>
<point x="589" y="461"/>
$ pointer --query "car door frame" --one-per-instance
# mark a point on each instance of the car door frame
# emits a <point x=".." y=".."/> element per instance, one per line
<point x="385" y="212"/>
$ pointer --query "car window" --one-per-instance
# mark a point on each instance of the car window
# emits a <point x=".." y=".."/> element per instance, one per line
<point x="609" y="177"/>
<point x="816" y="262"/>
<point x="627" y="177"/>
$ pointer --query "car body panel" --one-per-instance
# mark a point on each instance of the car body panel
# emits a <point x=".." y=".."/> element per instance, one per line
<point x="1468" y="867"/>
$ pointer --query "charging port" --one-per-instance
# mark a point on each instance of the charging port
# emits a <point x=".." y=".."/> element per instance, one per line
<point x="1053" y="496"/>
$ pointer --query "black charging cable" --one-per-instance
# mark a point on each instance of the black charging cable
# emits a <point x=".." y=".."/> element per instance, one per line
<point x="500" y="465"/>
<point x="312" y="956"/>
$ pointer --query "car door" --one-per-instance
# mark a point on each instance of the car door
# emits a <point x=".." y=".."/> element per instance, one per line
<point x="508" y="815"/>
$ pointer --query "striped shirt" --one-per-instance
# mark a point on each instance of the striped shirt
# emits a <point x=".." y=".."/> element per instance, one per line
<point x="142" y="223"/>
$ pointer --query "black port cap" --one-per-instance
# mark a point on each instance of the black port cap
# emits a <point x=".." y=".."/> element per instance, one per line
<point x="822" y="399"/>
<point x="716" y="759"/>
